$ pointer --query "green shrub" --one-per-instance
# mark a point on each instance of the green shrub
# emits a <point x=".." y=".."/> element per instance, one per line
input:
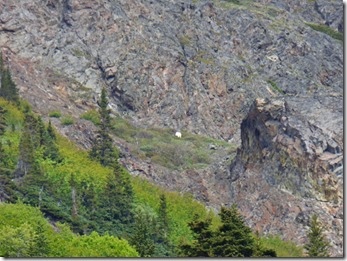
<point x="91" y="115"/>
<point x="327" y="30"/>
<point x="283" y="248"/>
<point x="67" y="120"/>
<point x="54" y="114"/>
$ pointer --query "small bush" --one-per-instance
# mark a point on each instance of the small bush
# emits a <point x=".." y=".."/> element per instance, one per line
<point x="54" y="114"/>
<point x="67" y="120"/>
<point x="91" y="115"/>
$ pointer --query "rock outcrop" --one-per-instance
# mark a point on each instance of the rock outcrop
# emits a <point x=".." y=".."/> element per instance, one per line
<point x="198" y="65"/>
<point x="290" y="165"/>
<point x="188" y="65"/>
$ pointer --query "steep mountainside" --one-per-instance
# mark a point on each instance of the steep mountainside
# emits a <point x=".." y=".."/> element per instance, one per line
<point x="198" y="66"/>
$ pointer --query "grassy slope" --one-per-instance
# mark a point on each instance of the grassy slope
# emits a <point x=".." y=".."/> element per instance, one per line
<point x="89" y="174"/>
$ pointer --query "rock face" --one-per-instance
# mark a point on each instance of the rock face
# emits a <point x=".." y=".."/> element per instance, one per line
<point x="290" y="165"/>
<point x="188" y="65"/>
<point x="198" y="66"/>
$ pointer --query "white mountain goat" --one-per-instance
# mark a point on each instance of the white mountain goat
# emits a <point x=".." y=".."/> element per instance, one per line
<point x="178" y="134"/>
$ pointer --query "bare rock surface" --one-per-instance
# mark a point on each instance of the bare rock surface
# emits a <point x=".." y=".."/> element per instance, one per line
<point x="290" y="165"/>
<point x="199" y="66"/>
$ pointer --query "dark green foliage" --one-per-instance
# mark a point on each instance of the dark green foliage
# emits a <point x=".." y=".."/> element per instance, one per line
<point x="2" y="121"/>
<point x="317" y="246"/>
<point x="51" y="132"/>
<point x="27" y="163"/>
<point x="163" y="248"/>
<point x="260" y="250"/>
<point x="143" y="233"/>
<point x="102" y="148"/>
<point x="8" y="88"/>
<point x="8" y="189"/>
<point x="202" y="239"/>
<point x="48" y="143"/>
<point x="163" y="222"/>
<point x="114" y="212"/>
<point x="234" y="238"/>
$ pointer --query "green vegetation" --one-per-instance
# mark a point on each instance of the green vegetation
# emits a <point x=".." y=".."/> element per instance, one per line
<point x="102" y="148"/>
<point x="8" y="89"/>
<point x="231" y="239"/>
<point x="317" y="246"/>
<point x="24" y="232"/>
<point x="67" y="120"/>
<point x="275" y="87"/>
<point x="60" y="201"/>
<point x="283" y="248"/>
<point x="91" y="115"/>
<point x="163" y="148"/>
<point x="55" y="114"/>
<point x="327" y="30"/>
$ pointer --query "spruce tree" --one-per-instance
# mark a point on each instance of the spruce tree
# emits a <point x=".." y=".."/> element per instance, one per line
<point x="201" y="246"/>
<point x="102" y="148"/>
<point x="8" y="89"/>
<point x="115" y="211"/>
<point x="51" y="132"/>
<point x="317" y="246"/>
<point x="163" y="219"/>
<point x="233" y="238"/>
<point x="3" y="124"/>
<point x="143" y="232"/>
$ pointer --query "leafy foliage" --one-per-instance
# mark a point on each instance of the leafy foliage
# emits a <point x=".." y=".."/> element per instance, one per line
<point x="25" y="233"/>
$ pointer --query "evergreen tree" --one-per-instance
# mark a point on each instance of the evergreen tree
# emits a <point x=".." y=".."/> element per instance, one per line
<point x="8" y="189"/>
<point x="8" y="88"/>
<point x="2" y="121"/>
<point x="201" y="246"/>
<point x="40" y="246"/>
<point x="163" y="218"/>
<point x="51" y="132"/>
<point x="260" y="250"/>
<point x="48" y="142"/>
<point x="163" y="248"/>
<point x="27" y="162"/>
<point x="115" y="211"/>
<point x="32" y="178"/>
<point x="143" y="232"/>
<point x="233" y="238"/>
<point x="102" y="148"/>
<point x="317" y="246"/>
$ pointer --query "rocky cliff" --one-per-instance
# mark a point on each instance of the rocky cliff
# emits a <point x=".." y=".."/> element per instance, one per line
<point x="290" y="165"/>
<point x="198" y="66"/>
